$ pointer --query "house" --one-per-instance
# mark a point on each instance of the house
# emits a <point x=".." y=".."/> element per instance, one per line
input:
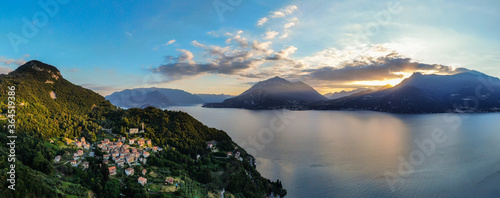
<point x="144" y="171"/>
<point x="130" y="159"/>
<point x="73" y="163"/>
<point x="79" y="152"/>
<point x="129" y="171"/>
<point x="82" y="140"/>
<point x="142" y="180"/>
<point x="134" y="130"/>
<point x="112" y="170"/>
<point x="143" y="160"/>
<point x="78" y="144"/>
<point x="145" y="154"/>
<point x="106" y="156"/>
<point x="123" y="139"/>
<point x="149" y="143"/>
<point x="57" y="159"/>
<point x="169" y="181"/>
<point x="91" y="154"/>
<point x="229" y="153"/>
<point x="155" y="149"/>
<point x="237" y="155"/>
<point x="131" y="141"/>
<point x="85" y="164"/>
<point x="86" y="146"/>
<point x="106" y="161"/>
<point x="120" y="163"/>
<point x="140" y="142"/>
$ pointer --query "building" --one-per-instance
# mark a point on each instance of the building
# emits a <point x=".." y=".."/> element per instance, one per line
<point x="79" y="152"/>
<point x="73" y="163"/>
<point x="229" y="153"/>
<point x="149" y="143"/>
<point x="82" y="140"/>
<point x="145" y="154"/>
<point x="155" y="149"/>
<point x="129" y="171"/>
<point x="120" y="163"/>
<point x="131" y="141"/>
<point x="140" y="142"/>
<point x="142" y="181"/>
<point x="112" y="170"/>
<point x="106" y="156"/>
<point x="57" y="159"/>
<point x="144" y="171"/>
<point x="78" y="144"/>
<point x="85" y="164"/>
<point x="123" y="139"/>
<point x="169" y="181"/>
<point x="86" y="146"/>
<point x="133" y="130"/>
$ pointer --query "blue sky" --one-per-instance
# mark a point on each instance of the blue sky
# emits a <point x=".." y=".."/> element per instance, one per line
<point x="220" y="47"/>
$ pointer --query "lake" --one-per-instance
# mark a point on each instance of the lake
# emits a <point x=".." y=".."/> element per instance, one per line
<point x="367" y="154"/>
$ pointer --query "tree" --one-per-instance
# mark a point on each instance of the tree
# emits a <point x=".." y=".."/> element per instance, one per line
<point x="112" y="188"/>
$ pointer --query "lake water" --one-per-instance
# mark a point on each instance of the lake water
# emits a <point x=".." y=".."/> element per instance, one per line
<point x="367" y="154"/>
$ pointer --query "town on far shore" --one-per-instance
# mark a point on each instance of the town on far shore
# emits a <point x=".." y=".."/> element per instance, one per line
<point x="128" y="156"/>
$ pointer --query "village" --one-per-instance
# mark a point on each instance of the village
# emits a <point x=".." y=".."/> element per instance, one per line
<point x="122" y="155"/>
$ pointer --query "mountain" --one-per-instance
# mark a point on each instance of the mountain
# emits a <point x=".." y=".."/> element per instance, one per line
<point x="156" y="97"/>
<point x="274" y="93"/>
<point x="52" y="112"/>
<point x="343" y="93"/>
<point x="469" y="91"/>
<point x="213" y="98"/>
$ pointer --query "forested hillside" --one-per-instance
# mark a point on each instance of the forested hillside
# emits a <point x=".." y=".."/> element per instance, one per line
<point x="51" y="112"/>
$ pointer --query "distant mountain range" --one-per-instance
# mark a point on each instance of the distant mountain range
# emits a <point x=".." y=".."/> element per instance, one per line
<point x="274" y="93"/>
<point x="341" y="94"/>
<point x="469" y="91"/>
<point x="160" y="98"/>
<point x="465" y="92"/>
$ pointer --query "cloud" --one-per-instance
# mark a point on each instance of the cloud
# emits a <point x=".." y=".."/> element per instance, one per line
<point x="129" y="34"/>
<point x="243" y="42"/>
<point x="245" y="62"/>
<point x="284" y="53"/>
<point x="15" y="62"/>
<point x="262" y="21"/>
<point x="277" y="14"/>
<point x="101" y="89"/>
<point x="290" y="9"/>
<point x="382" y="68"/>
<point x="283" y="12"/>
<point x="169" y="42"/>
<point x="270" y="35"/>
<point x="5" y="70"/>
<point x="263" y="47"/>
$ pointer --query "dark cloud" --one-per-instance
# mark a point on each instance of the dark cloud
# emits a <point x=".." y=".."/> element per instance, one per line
<point x="377" y="69"/>
<point x="223" y="61"/>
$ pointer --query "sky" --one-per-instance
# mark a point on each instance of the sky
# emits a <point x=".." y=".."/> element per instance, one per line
<point x="225" y="46"/>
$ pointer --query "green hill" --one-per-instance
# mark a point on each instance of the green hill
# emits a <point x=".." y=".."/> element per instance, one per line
<point x="51" y="110"/>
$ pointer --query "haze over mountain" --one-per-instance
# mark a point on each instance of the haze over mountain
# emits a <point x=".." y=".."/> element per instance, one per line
<point x="469" y="91"/>
<point x="157" y="97"/>
<point x="272" y="94"/>
<point x="213" y="98"/>
<point x="343" y="93"/>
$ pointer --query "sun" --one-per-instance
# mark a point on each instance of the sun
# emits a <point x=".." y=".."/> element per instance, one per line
<point x="393" y="81"/>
